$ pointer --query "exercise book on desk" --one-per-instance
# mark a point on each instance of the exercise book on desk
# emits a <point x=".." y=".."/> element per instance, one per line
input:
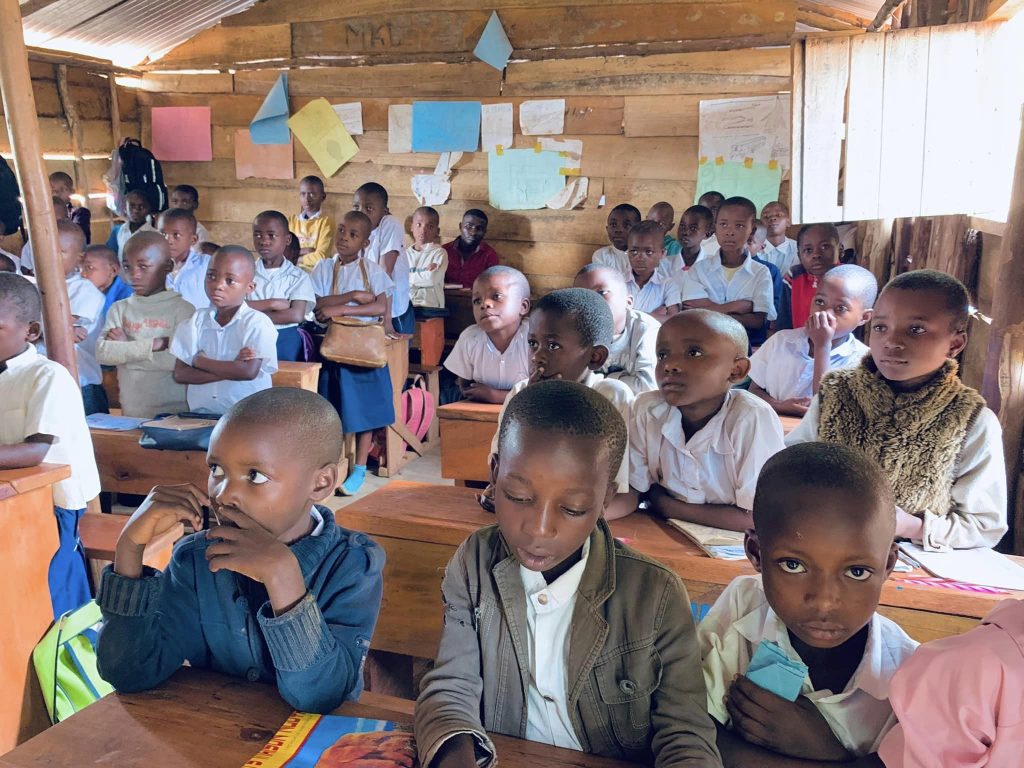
<point x="715" y="542"/>
<point x="333" y="741"/>
<point x="970" y="566"/>
<point x="113" y="422"/>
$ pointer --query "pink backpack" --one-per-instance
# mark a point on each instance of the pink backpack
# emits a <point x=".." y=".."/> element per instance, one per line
<point x="417" y="414"/>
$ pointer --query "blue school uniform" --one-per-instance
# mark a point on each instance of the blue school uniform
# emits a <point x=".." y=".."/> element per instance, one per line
<point x="363" y="397"/>
<point x="116" y="291"/>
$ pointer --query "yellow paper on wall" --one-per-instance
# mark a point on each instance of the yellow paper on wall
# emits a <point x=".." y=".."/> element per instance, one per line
<point x="323" y="135"/>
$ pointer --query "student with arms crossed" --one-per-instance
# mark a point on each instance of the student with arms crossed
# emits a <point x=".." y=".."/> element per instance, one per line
<point x="274" y="591"/>
<point x="544" y="636"/>
<point x="823" y="545"/>
<point x="491" y="356"/>
<point x="631" y="352"/>
<point x="697" y="443"/>
<point x="905" y="407"/>
<point x="314" y="228"/>
<point x="387" y="250"/>
<point x="428" y="262"/>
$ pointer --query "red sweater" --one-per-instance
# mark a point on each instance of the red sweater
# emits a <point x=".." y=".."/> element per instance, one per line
<point x="466" y="270"/>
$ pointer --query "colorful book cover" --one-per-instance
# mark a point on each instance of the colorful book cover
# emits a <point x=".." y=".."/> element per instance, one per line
<point x="333" y="741"/>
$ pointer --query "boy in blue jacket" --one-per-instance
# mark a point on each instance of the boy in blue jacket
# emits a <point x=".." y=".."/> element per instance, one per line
<point x="275" y="590"/>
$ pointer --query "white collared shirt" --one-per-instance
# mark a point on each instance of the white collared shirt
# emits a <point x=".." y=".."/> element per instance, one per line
<point x="86" y="302"/>
<point x="709" y="246"/>
<point x="190" y="279"/>
<point x="631" y="355"/>
<point x="978" y="514"/>
<point x="125" y="232"/>
<point x="350" y="278"/>
<point x="475" y="358"/>
<point x="741" y="618"/>
<point x="752" y="282"/>
<point x="202" y="333"/>
<point x="387" y="237"/>
<point x="620" y="395"/>
<point x="39" y="397"/>
<point x="202" y="234"/>
<point x="610" y="256"/>
<point x="717" y="465"/>
<point x="309" y="216"/>
<point x="783" y="366"/>
<point x="659" y="291"/>
<point x="782" y="256"/>
<point x="284" y="282"/>
<point x="549" y="610"/>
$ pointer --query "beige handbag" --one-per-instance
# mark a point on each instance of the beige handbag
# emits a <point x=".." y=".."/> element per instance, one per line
<point x="351" y="341"/>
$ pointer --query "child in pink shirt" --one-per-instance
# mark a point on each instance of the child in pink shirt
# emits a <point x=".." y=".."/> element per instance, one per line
<point x="960" y="700"/>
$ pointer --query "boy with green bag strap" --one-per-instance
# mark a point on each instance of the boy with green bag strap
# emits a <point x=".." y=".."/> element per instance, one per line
<point x="65" y="662"/>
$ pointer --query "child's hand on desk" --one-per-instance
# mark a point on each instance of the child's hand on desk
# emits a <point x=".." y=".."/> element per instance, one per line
<point x="116" y="334"/>
<point x="474" y="390"/>
<point x="242" y="545"/>
<point x="164" y="508"/>
<point x="160" y="343"/>
<point x="821" y="327"/>
<point x="245" y="354"/>
<point x="794" y="728"/>
<point x="795" y="406"/>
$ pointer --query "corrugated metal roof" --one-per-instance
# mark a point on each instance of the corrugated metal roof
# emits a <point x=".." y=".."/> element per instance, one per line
<point x="125" y="31"/>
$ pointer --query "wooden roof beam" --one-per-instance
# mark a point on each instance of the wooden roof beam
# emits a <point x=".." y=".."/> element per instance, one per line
<point x="1001" y="10"/>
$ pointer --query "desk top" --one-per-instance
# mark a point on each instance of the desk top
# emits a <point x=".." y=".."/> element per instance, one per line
<point x="443" y="514"/>
<point x="16" y="481"/>
<point x="201" y="719"/>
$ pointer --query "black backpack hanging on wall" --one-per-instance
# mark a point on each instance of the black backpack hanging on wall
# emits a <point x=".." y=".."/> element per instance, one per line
<point x="133" y="167"/>
<point x="10" y="199"/>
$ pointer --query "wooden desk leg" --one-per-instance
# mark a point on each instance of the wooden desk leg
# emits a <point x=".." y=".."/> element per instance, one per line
<point x="434" y="388"/>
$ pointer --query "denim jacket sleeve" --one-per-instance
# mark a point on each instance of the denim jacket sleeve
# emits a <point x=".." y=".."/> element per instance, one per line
<point x="449" y="701"/>
<point x="150" y="624"/>
<point x="683" y="732"/>
<point x="319" y="646"/>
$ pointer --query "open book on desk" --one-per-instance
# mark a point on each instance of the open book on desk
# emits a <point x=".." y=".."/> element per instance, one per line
<point x="984" y="567"/>
<point x="715" y="542"/>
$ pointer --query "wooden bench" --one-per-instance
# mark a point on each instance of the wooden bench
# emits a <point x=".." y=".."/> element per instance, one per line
<point x="429" y="341"/>
<point x="420" y="525"/>
<point x="466" y="433"/>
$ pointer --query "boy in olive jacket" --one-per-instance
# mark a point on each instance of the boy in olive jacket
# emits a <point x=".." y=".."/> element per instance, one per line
<point x="554" y="631"/>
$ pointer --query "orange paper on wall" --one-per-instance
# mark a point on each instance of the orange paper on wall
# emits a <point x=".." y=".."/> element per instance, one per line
<point x="262" y="161"/>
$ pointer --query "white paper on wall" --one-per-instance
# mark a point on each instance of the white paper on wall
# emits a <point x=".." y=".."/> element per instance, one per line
<point x="543" y="117"/>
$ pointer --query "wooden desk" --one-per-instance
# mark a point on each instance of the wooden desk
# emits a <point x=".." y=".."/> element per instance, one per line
<point x="466" y="433"/>
<point x="298" y="375"/>
<point x="459" y="303"/>
<point x="420" y="526"/>
<point x="200" y="719"/>
<point x="28" y="540"/>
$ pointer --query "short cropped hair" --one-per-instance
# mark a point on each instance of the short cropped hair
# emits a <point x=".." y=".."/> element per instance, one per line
<point x="187" y="189"/>
<point x="828" y="226"/>
<point x="857" y="281"/>
<point x="819" y="465"/>
<point x="62" y="177"/>
<point x="476" y="213"/>
<point x="567" y="408"/>
<point x="179" y="214"/>
<point x="626" y="208"/>
<point x="517" y="277"/>
<point x="703" y="211"/>
<point x="7" y="264"/>
<point x="103" y="252"/>
<point x="361" y="217"/>
<point x="614" y="274"/>
<point x="306" y="421"/>
<point x="239" y="251"/>
<point x="590" y="314"/>
<point x="277" y="216"/>
<point x="142" y="240"/>
<point x="954" y="293"/>
<point x="779" y="203"/>
<point x="647" y="228"/>
<point x="66" y="225"/>
<point x="739" y="202"/>
<point x="426" y="210"/>
<point x="714" y="194"/>
<point x="20" y="293"/>
<point x="314" y="180"/>
<point x="139" y="193"/>
<point x="375" y="189"/>
<point x="716" y="322"/>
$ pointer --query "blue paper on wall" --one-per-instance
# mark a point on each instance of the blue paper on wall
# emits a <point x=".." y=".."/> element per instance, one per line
<point x="493" y="47"/>
<point x="445" y="126"/>
<point x="270" y="126"/>
<point x="523" y="179"/>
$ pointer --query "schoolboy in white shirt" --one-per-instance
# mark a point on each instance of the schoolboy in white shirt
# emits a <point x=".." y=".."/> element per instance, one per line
<point x="779" y="249"/>
<point x="43" y="421"/>
<point x="186" y="197"/>
<point x="631" y="358"/>
<point x="622" y="218"/>
<point x="428" y="261"/>
<point x="823" y="542"/>
<point x="696" y="445"/>
<point x="228" y="351"/>
<point x="188" y="275"/>
<point x="387" y="249"/>
<point x="653" y="290"/>
<point x="712" y="201"/>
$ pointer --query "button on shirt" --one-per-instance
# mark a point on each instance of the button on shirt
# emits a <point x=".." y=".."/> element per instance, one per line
<point x="385" y="238"/>
<point x="284" y="282"/>
<point x="717" y="465"/>
<point x="741" y="618"/>
<point x="39" y="397"/>
<point x="549" y="610"/>
<point x="475" y="358"/>
<point x="190" y="279"/>
<point x="707" y="279"/>
<point x="783" y="366"/>
<point x="202" y="333"/>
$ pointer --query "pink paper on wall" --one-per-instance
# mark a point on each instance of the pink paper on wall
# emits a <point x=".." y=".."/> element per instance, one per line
<point x="182" y="134"/>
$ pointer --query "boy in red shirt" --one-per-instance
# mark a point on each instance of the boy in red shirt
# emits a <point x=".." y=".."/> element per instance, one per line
<point x="468" y="254"/>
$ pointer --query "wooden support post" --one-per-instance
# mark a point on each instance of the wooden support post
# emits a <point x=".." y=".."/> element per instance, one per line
<point x="23" y="129"/>
<point x="75" y="129"/>
<point x="1003" y="383"/>
<point x="115" y="111"/>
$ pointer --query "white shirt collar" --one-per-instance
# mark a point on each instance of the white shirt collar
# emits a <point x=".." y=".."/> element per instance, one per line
<point x="243" y="310"/>
<point x="318" y="519"/>
<point x="562" y="589"/>
<point x="23" y="359"/>
<point x="709" y="437"/>
<point x="310" y="216"/>
<point x="746" y="266"/>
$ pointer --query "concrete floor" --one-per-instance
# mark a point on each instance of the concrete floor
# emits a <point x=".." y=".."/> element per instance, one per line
<point x="423" y="469"/>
